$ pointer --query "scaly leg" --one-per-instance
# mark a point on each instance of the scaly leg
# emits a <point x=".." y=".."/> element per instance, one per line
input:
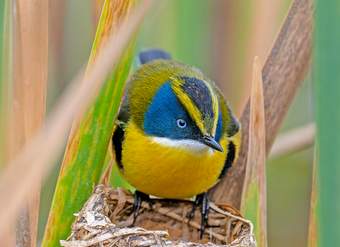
<point x="201" y="200"/>
<point x="139" y="197"/>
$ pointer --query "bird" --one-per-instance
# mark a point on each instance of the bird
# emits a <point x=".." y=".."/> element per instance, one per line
<point x="176" y="135"/>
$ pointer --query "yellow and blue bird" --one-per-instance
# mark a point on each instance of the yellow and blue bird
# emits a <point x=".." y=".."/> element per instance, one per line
<point x="176" y="135"/>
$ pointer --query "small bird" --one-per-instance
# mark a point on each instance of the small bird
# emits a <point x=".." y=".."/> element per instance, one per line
<point x="176" y="136"/>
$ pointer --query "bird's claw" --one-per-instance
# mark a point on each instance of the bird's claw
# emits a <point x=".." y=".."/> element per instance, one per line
<point x="191" y="214"/>
<point x="201" y="200"/>
<point x="139" y="197"/>
<point x="204" y="213"/>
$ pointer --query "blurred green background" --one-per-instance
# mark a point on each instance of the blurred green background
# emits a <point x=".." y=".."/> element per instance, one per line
<point x="221" y="37"/>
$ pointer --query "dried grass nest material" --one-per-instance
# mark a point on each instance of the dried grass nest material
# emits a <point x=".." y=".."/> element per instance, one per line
<point x="105" y="221"/>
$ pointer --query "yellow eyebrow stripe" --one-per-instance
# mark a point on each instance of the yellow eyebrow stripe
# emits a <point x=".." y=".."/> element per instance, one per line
<point x="191" y="107"/>
<point x="192" y="110"/>
<point x="214" y="106"/>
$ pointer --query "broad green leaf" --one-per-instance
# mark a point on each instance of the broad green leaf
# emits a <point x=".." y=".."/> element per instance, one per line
<point x="327" y="92"/>
<point x="87" y="146"/>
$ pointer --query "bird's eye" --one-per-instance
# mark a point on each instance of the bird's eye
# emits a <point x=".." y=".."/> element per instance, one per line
<point x="181" y="123"/>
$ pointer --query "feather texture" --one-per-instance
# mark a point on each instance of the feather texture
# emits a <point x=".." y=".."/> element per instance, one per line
<point x="156" y="156"/>
<point x="153" y="54"/>
<point x="166" y="171"/>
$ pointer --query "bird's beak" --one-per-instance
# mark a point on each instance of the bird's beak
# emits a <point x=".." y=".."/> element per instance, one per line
<point x="211" y="142"/>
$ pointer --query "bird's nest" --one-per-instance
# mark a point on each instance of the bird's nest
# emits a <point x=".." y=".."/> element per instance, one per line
<point x="106" y="218"/>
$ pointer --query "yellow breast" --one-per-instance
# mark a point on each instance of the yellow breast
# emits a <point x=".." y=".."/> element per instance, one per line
<point x="169" y="172"/>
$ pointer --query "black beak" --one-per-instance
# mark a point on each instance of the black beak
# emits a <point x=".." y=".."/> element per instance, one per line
<point x="211" y="142"/>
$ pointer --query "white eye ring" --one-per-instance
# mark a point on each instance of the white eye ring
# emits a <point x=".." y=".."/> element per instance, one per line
<point x="181" y="123"/>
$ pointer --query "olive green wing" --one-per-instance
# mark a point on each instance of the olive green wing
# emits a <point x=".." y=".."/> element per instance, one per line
<point x="232" y="129"/>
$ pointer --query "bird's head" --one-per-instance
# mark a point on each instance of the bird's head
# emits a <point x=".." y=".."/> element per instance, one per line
<point x="176" y="106"/>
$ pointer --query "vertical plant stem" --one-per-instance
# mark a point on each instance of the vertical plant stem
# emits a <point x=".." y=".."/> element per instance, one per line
<point x="254" y="196"/>
<point x="6" y="76"/>
<point x="88" y="142"/>
<point x="327" y="90"/>
<point x="29" y="96"/>
<point x="313" y="240"/>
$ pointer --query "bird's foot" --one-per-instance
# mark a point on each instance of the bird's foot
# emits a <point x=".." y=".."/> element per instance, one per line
<point x="139" y="197"/>
<point x="201" y="200"/>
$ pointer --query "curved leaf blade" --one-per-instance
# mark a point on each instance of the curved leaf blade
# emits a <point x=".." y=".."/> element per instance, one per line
<point x="89" y="139"/>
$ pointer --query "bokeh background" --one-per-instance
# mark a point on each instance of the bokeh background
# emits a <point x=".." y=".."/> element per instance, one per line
<point x="221" y="37"/>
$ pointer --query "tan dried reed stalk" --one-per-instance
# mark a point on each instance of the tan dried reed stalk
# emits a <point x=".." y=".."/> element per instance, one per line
<point x="254" y="195"/>
<point x="29" y="98"/>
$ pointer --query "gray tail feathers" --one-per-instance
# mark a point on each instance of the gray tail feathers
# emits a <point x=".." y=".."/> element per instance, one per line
<point x="152" y="54"/>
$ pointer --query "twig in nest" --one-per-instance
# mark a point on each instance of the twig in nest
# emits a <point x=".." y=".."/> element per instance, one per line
<point x="106" y="218"/>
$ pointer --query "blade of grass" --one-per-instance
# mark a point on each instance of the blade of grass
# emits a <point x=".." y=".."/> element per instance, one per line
<point x="327" y="92"/>
<point x="87" y="146"/>
<point x="29" y="97"/>
<point x="312" y="227"/>
<point x="97" y="6"/>
<point x="254" y="198"/>
<point x="51" y="137"/>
